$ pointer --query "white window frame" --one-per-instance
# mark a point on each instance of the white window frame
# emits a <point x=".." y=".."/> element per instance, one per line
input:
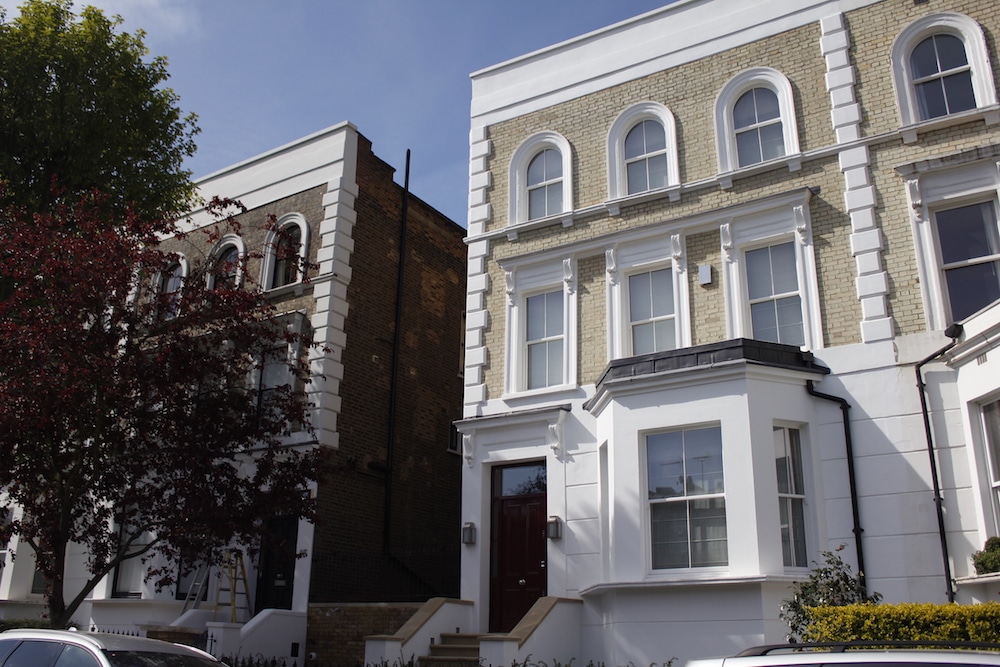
<point x="991" y="452"/>
<point x="944" y="23"/>
<point x="928" y="192"/>
<point x="765" y="228"/>
<point x="269" y="259"/>
<point x="684" y="498"/>
<point x="518" y="174"/>
<point x="622" y="125"/>
<point x="158" y="286"/>
<point x="725" y="127"/>
<point x="626" y="259"/>
<point x="229" y="240"/>
<point x="525" y="281"/>
<point x="799" y="495"/>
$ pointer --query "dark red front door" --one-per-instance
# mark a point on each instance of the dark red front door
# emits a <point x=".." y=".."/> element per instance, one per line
<point x="517" y="539"/>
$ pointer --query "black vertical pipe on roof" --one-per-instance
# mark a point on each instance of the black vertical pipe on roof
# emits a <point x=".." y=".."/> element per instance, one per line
<point x="394" y="366"/>
<point x="852" y="480"/>
<point x="953" y="332"/>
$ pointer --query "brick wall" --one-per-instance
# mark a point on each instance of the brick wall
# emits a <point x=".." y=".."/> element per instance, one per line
<point x="337" y="632"/>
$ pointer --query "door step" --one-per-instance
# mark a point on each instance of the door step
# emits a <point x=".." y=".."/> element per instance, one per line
<point x="454" y="650"/>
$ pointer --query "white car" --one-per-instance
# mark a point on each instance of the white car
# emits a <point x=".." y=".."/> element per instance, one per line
<point x="862" y="654"/>
<point x="66" y="648"/>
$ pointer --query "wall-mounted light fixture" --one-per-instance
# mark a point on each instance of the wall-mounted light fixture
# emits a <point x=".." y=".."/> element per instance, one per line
<point x="469" y="533"/>
<point x="553" y="528"/>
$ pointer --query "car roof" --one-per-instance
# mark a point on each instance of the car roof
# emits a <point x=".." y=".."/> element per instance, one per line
<point x="104" y="641"/>
<point x="889" y="653"/>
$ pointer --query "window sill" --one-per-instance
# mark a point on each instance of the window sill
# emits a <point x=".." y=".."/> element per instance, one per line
<point x="565" y="219"/>
<point x="792" y="162"/>
<point x="990" y="114"/>
<point x="713" y="577"/>
<point x="672" y="192"/>
<point x="292" y="288"/>
<point x="532" y="393"/>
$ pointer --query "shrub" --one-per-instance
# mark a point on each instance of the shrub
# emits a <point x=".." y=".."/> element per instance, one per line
<point x="988" y="560"/>
<point x="831" y="584"/>
<point x="905" y="622"/>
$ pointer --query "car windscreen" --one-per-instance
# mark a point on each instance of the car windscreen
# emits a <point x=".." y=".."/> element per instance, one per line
<point x="152" y="659"/>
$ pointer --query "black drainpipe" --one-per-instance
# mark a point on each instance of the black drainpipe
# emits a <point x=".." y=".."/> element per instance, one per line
<point x="849" y="446"/>
<point x="952" y="332"/>
<point x="394" y="366"/>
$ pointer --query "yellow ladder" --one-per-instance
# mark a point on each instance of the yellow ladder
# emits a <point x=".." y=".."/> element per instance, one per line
<point x="232" y="590"/>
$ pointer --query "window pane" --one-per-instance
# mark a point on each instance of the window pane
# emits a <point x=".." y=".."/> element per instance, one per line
<point x="923" y="59"/>
<point x="665" y="464"/>
<point x="764" y="320"/>
<point x="554" y="370"/>
<point x="950" y="52"/>
<point x="703" y="458"/>
<point x="666" y="336"/>
<point x="759" y="273"/>
<point x="958" y="91"/>
<point x="991" y="421"/>
<point x="772" y="141"/>
<point x="968" y="232"/>
<point x="930" y="99"/>
<point x="788" y="312"/>
<point x="554" y="313"/>
<point x="535" y="327"/>
<point x="33" y="653"/>
<point x="748" y="148"/>
<point x="767" y="104"/>
<point x="640" y="298"/>
<point x="656" y="138"/>
<point x="669" y="535"/>
<point x="536" y="203"/>
<point x="643" y="338"/>
<point x="635" y="144"/>
<point x="783" y="265"/>
<point x="663" y="292"/>
<point x="744" y="111"/>
<point x="636" y="173"/>
<point x="971" y="288"/>
<point x="537" y="366"/>
<point x="536" y="169"/>
<point x="657" y="166"/>
<point x="708" y="532"/>
<point x="553" y="164"/>
<point x="553" y="199"/>
<point x="74" y="656"/>
<point x="522" y="480"/>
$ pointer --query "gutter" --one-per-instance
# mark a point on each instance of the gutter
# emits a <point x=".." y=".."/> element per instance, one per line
<point x="849" y="446"/>
<point x="953" y="332"/>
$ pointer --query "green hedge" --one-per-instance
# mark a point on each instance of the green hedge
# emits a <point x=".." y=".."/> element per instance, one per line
<point x="12" y="623"/>
<point x="908" y="621"/>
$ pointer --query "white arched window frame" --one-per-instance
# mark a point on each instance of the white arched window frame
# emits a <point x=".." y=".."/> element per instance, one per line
<point x="945" y="23"/>
<point x="665" y="251"/>
<point x="219" y="251"/>
<point x="270" y="245"/>
<point x="725" y="126"/>
<point x="623" y="124"/>
<point x="518" y="178"/>
<point x="171" y="281"/>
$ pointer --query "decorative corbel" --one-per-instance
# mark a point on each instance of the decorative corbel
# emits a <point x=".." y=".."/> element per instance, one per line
<point x="611" y="265"/>
<point x="726" y="234"/>
<point x="509" y="287"/>
<point x="801" y="228"/>
<point x="468" y="448"/>
<point x="569" y="275"/>
<point x="916" y="201"/>
<point x="677" y="252"/>
<point x="555" y="435"/>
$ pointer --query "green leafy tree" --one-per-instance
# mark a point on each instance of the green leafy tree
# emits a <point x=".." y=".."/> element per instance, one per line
<point x="830" y="584"/>
<point x="82" y="104"/>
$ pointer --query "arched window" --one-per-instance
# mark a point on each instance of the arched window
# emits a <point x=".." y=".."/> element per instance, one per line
<point x="226" y="263"/>
<point x="168" y="288"/>
<point x="642" y="151"/>
<point x="544" y="183"/>
<point x="940" y="67"/>
<point x="285" y="251"/>
<point x="540" y="178"/>
<point x="755" y="119"/>
<point x="757" y="124"/>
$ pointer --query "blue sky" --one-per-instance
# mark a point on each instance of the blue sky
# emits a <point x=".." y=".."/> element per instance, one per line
<point x="262" y="73"/>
